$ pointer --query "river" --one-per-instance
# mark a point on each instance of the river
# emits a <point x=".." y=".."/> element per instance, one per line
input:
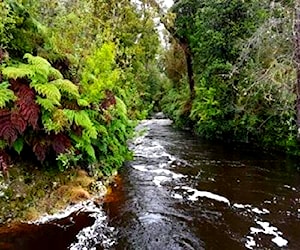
<point x="180" y="192"/>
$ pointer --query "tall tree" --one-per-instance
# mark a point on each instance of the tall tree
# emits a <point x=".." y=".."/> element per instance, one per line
<point x="297" y="61"/>
<point x="180" y="37"/>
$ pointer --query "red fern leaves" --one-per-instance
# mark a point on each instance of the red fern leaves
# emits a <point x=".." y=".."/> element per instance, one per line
<point x="60" y="143"/>
<point x="24" y="113"/>
<point x="26" y="106"/>
<point x="17" y="121"/>
<point x="42" y="145"/>
<point x="7" y="130"/>
<point x="40" y="148"/>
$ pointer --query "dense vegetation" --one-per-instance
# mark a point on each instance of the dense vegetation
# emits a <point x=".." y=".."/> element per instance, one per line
<point x="74" y="77"/>
<point x="242" y="67"/>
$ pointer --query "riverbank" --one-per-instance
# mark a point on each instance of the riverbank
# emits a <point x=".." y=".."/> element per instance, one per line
<point x="29" y="193"/>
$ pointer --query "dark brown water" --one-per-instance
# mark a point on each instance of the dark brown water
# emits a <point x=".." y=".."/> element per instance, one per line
<point x="180" y="192"/>
<point x="184" y="193"/>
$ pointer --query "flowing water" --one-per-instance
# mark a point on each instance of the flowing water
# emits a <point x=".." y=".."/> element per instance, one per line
<point x="183" y="193"/>
<point x="180" y="192"/>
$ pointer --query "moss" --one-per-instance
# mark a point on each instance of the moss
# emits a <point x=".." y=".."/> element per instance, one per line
<point x="30" y="192"/>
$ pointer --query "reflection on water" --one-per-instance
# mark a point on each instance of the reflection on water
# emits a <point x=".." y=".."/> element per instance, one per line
<point x="183" y="193"/>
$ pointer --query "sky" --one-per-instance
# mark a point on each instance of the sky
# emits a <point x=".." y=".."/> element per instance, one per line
<point x="168" y="3"/>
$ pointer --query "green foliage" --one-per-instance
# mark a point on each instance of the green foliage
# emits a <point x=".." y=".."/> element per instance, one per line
<point x="18" y="145"/>
<point x="6" y="95"/>
<point x="86" y="68"/>
<point x="242" y="59"/>
<point x="98" y="74"/>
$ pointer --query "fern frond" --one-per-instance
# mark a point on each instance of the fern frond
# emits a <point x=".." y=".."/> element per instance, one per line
<point x="90" y="151"/>
<point x="60" y="143"/>
<point x="27" y="108"/>
<point x="70" y="114"/>
<point x="55" y="74"/>
<point x="42" y="65"/>
<point x="7" y="131"/>
<point x="50" y="91"/>
<point x="6" y="95"/>
<point x="66" y="86"/>
<point x="82" y="119"/>
<point x="84" y="146"/>
<point x="120" y="105"/>
<point x="36" y="60"/>
<point x="45" y="103"/>
<point x="83" y="103"/>
<point x="21" y="71"/>
<point x="101" y="129"/>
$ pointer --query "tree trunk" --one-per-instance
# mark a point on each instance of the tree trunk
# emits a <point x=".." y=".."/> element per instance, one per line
<point x="182" y="42"/>
<point x="297" y="62"/>
<point x="189" y="65"/>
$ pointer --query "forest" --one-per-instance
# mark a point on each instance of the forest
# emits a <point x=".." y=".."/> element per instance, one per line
<point x="77" y="76"/>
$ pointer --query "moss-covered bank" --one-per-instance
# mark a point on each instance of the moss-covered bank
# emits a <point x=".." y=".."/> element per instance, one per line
<point x="26" y="195"/>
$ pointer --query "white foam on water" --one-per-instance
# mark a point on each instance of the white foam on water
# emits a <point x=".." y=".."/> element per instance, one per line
<point x="159" y="179"/>
<point x="152" y="152"/>
<point x="85" y="206"/>
<point x="268" y="229"/>
<point x="241" y="206"/>
<point x="167" y="172"/>
<point x="177" y="196"/>
<point x="164" y="174"/>
<point x="141" y="168"/>
<point x="150" y="218"/>
<point x="250" y="243"/>
<point x="289" y="187"/>
<point x="97" y="234"/>
<point x="250" y="208"/>
<point x="196" y="194"/>
<point x="259" y="211"/>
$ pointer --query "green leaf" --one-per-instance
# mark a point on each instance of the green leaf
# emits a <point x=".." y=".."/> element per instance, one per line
<point x="18" y="145"/>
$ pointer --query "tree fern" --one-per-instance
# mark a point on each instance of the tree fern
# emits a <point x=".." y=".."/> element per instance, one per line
<point x="6" y="95"/>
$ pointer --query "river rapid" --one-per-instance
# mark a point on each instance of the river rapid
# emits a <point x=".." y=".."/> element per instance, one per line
<point x="180" y="192"/>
